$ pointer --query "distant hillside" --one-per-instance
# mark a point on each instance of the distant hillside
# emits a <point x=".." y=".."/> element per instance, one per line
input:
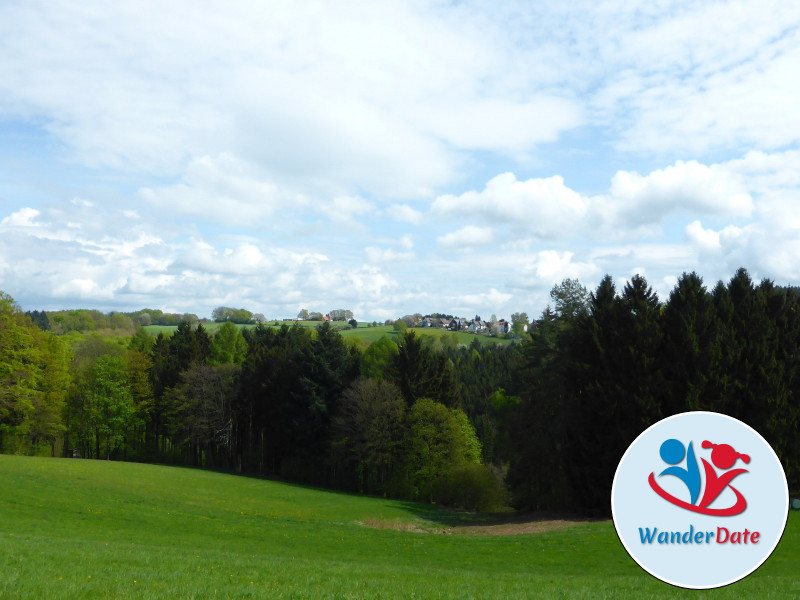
<point x="364" y="331"/>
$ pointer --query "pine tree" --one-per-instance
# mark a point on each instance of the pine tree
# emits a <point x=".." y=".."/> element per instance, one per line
<point x="422" y="372"/>
<point x="781" y="373"/>
<point x="536" y="423"/>
<point x="691" y="347"/>
<point x="612" y="379"/>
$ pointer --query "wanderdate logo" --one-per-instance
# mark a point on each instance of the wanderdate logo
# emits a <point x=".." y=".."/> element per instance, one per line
<point x="699" y="500"/>
<point x="723" y="457"/>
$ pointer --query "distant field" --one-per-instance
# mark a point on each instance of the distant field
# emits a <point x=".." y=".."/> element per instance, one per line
<point x="95" y="529"/>
<point x="363" y="331"/>
<point x="463" y="337"/>
<point x="170" y="329"/>
<point x="372" y="334"/>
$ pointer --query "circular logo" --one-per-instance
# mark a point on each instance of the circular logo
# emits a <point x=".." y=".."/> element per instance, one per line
<point x="700" y="500"/>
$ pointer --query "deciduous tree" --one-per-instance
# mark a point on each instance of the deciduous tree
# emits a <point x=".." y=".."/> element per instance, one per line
<point x="367" y="433"/>
<point x="438" y="440"/>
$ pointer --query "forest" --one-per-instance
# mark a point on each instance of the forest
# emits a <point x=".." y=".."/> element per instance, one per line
<point x="538" y="425"/>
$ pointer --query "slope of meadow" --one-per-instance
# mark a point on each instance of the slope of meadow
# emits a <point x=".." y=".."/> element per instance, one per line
<point x="93" y="529"/>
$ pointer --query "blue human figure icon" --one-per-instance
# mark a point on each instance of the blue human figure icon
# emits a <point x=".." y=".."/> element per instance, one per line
<point x="672" y="452"/>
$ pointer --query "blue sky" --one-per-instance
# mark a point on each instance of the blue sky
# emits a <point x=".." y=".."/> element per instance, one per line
<point x="391" y="157"/>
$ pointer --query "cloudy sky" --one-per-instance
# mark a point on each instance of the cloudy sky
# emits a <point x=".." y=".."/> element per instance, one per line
<point x="391" y="157"/>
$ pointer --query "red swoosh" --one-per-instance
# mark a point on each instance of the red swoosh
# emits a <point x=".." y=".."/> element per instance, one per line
<point x="737" y="508"/>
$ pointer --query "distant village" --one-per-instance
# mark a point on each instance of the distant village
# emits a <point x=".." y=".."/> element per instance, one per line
<point x="501" y="327"/>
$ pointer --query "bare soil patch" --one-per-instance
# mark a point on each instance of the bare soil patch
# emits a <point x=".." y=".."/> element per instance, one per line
<point x="398" y="525"/>
<point x="516" y="524"/>
<point x="513" y="528"/>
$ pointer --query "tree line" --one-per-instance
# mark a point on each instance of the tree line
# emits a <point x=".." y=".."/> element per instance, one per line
<point x="289" y="402"/>
<point x="84" y="320"/>
<point x="306" y="405"/>
<point x="541" y="424"/>
<point x="595" y="374"/>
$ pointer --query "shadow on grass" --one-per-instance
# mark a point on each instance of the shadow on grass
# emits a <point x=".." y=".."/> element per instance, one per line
<point x="508" y="522"/>
<point x="423" y="517"/>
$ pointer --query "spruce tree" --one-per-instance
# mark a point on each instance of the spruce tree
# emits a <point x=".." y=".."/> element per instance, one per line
<point x="690" y="349"/>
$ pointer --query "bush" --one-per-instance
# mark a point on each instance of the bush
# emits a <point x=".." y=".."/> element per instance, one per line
<point x="470" y="486"/>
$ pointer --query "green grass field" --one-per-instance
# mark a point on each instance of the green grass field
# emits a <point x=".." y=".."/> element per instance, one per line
<point x="170" y="329"/>
<point x="371" y="334"/>
<point x="94" y="529"/>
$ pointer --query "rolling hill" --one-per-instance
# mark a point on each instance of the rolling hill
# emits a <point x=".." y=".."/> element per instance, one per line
<point x="95" y="529"/>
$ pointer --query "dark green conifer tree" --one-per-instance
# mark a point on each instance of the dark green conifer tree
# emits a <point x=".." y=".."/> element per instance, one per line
<point x="612" y="378"/>
<point x="691" y="347"/>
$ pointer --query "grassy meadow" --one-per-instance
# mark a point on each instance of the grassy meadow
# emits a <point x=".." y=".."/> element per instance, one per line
<point x="95" y="529"/>
<point x="371" y="334"/>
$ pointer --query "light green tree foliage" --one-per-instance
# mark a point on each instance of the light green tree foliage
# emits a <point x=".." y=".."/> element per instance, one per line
<point x="117" y="320"/>
<point x="571" y="299"/>
<point x="101" y="399"/>
<point x="341" y="314"/>
<point x="378" y="358"/>
<point x="466" y="442"/>
<point x="449" y="341"/>
<point x="228" y="346"/>
<point x="14" y="379"/>
<point x="109" y="404"/>
<point x="142" y="341"/>
<point x="138" y="366"/>
<point x="72" y="320"/>
<point x="33" y="381"/>
<point x="438" y="440"/>
<point x="412" y="320"/>
<point x="235" y="315"/>
<point x="519" y="324"/>
<point x="20" y="369"/>
<point x="356" y="344"/>
<point x="46" y="420"/>
<point x="64" y="321"/>
<point x="84" y="352"/>
<point x="144" y="319"/>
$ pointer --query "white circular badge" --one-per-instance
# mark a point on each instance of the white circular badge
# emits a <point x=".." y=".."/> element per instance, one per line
<point x="700" y="500"/>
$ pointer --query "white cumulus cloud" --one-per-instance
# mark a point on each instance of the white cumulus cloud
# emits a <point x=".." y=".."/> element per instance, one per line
<point x="467" y="237"/>
<point x="22" y="218"/>
<point x="545" y="207"/>
<point x="688" y="186"/>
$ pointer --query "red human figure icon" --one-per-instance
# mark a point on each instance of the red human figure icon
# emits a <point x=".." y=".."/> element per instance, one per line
<point x="724" y="457"/>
